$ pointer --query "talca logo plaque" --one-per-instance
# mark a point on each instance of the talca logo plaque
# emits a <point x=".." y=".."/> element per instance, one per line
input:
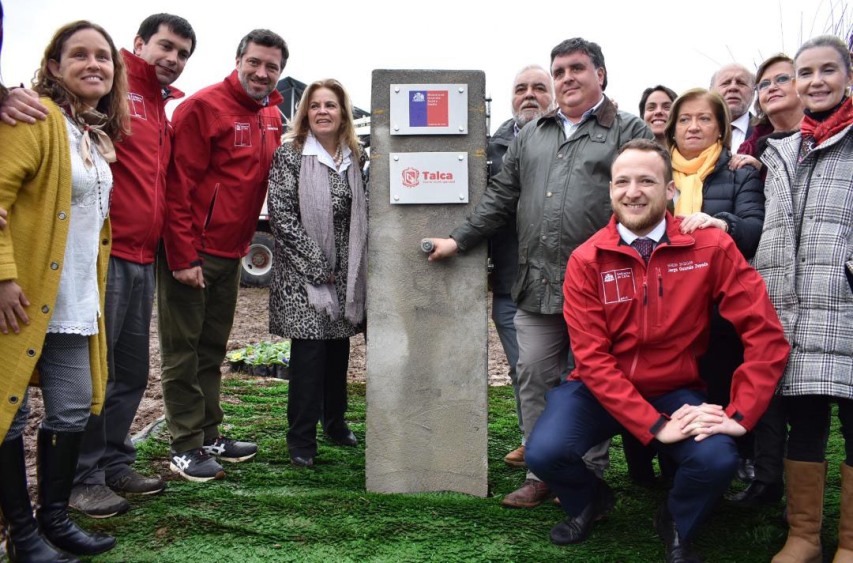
<point x="411" y="177"/>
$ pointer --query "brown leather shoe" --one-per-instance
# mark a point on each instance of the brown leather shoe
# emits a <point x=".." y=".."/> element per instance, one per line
<point x="531" y="494"/>
<point x="515" y="458"/>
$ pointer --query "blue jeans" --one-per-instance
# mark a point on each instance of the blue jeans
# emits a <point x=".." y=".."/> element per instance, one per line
<point x="503" y="314"/>
<point x="574" y="421"/>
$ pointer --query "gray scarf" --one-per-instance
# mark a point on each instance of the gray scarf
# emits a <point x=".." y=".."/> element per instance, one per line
<point x="315" y="207"/>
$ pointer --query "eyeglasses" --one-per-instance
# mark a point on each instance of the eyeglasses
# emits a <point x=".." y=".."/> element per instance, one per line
<point x="778" y="81"/>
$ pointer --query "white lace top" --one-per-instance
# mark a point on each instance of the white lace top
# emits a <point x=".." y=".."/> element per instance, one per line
<point x="76" y="310"/>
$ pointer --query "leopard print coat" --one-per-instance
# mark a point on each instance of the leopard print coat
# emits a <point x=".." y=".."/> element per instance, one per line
<point x="297" y="257"/>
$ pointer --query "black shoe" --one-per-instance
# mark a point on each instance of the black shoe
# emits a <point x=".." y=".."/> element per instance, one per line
<point x="132" y="483"/>
<point x="97" y="501"/>
<point x="758" y="494"/>
<point x="302" y="461"/>
<point x="346" y="438"/>
<point x="677" y="550"/>
<point x="57" y="462"/>
<point x="576" y="529"/>
<point x="746" y="470"/>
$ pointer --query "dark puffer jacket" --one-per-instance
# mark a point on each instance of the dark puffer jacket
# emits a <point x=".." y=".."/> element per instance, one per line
<point x="736" y="197"/>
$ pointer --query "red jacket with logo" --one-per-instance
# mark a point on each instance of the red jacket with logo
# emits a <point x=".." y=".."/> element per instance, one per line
<point x="223" y="146"/>
<point x="637" y="330"/>
<point x="138" y="206"/>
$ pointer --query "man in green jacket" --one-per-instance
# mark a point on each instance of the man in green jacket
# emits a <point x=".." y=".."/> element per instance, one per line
<point x="555" y="180"/>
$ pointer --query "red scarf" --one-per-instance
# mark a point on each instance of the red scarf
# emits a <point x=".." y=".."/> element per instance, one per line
<point x="823" y="130"/>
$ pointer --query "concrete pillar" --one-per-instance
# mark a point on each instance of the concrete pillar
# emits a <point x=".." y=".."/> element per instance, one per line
<point x="427" y="363"/>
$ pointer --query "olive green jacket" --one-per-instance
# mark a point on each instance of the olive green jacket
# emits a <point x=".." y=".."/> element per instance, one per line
<point x="559" y="190"/>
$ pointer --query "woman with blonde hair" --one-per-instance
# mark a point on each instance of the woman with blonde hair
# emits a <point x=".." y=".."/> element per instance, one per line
<point x="55" y="181"/>
<point x="318" y="211"/>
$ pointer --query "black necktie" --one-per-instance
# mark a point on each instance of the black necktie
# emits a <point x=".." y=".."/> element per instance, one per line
<point x="644" y="246"/>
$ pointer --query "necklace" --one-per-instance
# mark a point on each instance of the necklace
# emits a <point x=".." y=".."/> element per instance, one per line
<point x="92" y="158"/>
<point x="339" y="157"/>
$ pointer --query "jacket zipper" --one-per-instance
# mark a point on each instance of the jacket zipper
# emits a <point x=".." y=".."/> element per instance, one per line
<point x="209" y="217"/>
<point x="263" y="132"/>
<point x="659" y="305"/>
<point x="643" y="328"/>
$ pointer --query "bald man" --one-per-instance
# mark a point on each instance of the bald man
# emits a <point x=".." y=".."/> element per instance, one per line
<point x="736" y="84"/>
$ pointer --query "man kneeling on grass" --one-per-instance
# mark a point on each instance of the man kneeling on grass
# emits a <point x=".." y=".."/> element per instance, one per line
<point x="638" y="297"/>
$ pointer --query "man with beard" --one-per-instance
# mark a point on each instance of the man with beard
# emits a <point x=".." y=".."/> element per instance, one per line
<point x="736" y="85"/>
<point x="225" y="136"/>
<point x="554" y="180"/>
<point x="638" y="297"/>
<point x="532" y="97"/>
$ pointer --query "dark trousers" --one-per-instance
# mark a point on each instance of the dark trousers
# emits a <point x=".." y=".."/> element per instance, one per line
<point x="317" y="388"/>
<point x="809" y="417"/>
<point x="106" y="450"/>
<point x="770" y="437"/>
<point x="194" y="327"/>
<point x="574" y="421"/>
<point x="717" y="368"/>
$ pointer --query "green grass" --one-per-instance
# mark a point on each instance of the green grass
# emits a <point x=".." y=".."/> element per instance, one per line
<point x="266" y="510"/>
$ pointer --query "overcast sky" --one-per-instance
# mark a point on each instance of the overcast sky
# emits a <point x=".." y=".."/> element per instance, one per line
<point x="674" y="42"/>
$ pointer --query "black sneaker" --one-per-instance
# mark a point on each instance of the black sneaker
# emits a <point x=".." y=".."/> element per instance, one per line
<point x="132" y="483"/>
<point x="196" y="465"/>
<point x="227" y="449"/>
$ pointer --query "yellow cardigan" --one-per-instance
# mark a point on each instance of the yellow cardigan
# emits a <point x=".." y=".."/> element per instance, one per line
<point x="35" y="188"/>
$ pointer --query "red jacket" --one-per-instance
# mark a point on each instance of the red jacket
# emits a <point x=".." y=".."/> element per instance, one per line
<point x="637" y="330"/>
<point x="223" y="147"/>
<point x="138" y="205"/>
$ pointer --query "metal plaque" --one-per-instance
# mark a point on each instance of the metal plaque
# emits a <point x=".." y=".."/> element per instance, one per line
<point x="429" y="177"/>
<point x="429" y="109"/>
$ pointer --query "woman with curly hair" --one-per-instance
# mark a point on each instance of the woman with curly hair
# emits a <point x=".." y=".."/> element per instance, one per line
<point x="55" y="182"/>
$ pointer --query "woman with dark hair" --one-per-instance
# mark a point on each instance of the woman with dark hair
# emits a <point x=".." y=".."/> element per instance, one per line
<point x="55" y="180"/>
<point x="318" y="211"/>
<point x="806" y="259"/>
<point x="655" y="105"/>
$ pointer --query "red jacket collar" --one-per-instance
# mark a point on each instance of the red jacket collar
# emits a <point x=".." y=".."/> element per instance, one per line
<point x="245" y="99"/>
<point x="143" y="75"/>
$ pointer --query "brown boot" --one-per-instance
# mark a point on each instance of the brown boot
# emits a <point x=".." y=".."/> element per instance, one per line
<point x="804" y="489"/>
<point x="530" y="495"/>
<point x="845" y="522"/>
<point x="515" y="458"/>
